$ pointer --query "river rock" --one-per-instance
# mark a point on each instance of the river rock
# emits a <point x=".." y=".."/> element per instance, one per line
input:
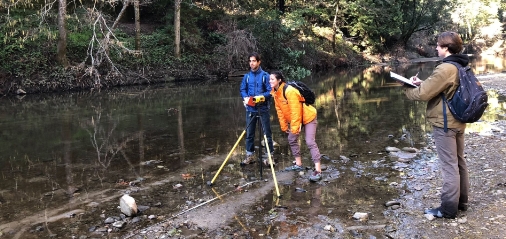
<point x="344" y="158"/>
<point x="109" y="220"/>
<point x="391" y="203"/>
<point x="429" y="217"/>
<point x="392" y="149"/>
<point x="361" y="216"/>
<point x="409" y="150"/>
<point x="329" y="228"/>
<point x="128" y="205"/>
<point x="402" y="154"/>
<point x="119" y="224"/>
<point x="142" y="208"/>
<point x="403" y="160"/>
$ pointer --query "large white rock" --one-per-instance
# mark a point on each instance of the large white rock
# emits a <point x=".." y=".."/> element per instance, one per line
<point x="128" y="205"/>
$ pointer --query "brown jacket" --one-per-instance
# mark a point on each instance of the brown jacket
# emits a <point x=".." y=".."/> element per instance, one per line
<point x="292" y="111"/>
<point x="444" y="79"/>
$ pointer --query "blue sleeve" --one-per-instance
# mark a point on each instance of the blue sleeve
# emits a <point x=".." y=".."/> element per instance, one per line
<point x="267" y="94"/>
<point x="244" y="87"/>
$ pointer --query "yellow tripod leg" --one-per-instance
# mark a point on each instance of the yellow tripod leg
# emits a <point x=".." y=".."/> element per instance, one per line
<point x="228" y="156"/>
<point x="272" y="166"/>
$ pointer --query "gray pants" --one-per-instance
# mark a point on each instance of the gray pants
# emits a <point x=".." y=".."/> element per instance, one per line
<point x="450" y="149"/>
<point x="310" y="130"/>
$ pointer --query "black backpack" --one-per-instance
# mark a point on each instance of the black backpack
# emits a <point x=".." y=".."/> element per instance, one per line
<point x="469" y="101"/>
<point x="305" y="91"/>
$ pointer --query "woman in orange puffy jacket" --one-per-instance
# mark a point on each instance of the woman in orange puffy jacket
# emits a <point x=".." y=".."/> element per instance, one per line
<point x="295" y="115"/>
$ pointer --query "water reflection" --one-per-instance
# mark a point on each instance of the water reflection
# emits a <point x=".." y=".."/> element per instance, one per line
<point x="75" y="148"/>
<point x="489" y="64"/>
<point x="495" y="111"/>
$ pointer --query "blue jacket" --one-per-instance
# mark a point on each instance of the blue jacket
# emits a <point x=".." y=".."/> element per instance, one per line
<point x="257" y="83"/>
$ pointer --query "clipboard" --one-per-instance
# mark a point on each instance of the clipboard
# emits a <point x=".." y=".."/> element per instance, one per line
<point x="405" y="80"/>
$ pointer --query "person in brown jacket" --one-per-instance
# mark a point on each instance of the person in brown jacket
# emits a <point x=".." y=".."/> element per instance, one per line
<point x="295" y="115"/>
<point x="450" y="145"/>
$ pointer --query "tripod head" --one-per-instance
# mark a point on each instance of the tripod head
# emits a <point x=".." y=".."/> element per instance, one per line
<point x="258" y="99"/>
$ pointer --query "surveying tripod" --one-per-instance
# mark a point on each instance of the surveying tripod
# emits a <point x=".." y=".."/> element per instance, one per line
<point x="260" y="161"/>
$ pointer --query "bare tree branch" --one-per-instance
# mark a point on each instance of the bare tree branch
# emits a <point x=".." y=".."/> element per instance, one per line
<point x="98" y="49"/>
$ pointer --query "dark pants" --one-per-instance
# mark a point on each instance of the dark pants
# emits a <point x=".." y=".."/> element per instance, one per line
<point x="250" y="131"/>
<point x="450" y="149"/>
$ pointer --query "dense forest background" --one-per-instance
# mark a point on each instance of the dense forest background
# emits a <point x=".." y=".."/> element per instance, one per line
<point x="61" y="45"/>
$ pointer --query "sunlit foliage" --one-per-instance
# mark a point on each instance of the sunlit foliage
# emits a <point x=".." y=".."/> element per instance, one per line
<point x="299" y="37"/>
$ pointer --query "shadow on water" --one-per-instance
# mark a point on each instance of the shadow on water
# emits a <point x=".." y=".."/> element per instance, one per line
<point x="66" y="159"/>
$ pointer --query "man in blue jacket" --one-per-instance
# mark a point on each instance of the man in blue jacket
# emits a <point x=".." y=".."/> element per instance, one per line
<point x="255" y="84"/>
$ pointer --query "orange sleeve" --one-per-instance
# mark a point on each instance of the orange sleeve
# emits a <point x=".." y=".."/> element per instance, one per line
<point x="295" y="106"/>
<point x="282" y="120"/>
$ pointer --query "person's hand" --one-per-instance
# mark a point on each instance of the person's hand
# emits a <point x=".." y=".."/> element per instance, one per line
<point x="245" y="101"/>
<point x="286" y="129"/>
<point x="415" y="80"/>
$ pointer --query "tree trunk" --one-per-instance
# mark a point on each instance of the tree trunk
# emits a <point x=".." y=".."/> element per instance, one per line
<point x="177" y="23"/>
<point x="137" y="26"/>
<point x="334" y="28"/>
<point x="61" y="49"/>
<point x="281" y="6"/>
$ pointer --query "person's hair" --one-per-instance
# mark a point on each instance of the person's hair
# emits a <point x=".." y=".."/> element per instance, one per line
<point x="256" y="55"/>
<point x="278" y="75"/>
<point x="451" y="40"/>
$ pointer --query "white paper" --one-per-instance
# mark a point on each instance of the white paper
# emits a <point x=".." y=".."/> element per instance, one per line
<point x="403" y="79"/>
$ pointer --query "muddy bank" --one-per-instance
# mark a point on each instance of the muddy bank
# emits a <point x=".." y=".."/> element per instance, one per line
<point x="76" y="79"/>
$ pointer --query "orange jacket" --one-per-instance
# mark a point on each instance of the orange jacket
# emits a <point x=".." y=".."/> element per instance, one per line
<point x="292" y="109"/>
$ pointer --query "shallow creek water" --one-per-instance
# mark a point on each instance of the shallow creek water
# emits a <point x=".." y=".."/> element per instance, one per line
<point x="67" y="158"/>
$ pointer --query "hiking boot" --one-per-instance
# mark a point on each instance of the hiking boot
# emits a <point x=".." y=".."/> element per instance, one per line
<point x="249" y="159"/>
<point x="316" y="176"/>
<point x="294" y="168"/>
<point x="436" y="212"/>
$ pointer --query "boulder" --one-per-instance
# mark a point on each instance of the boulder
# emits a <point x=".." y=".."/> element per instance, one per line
<point x="128" y="205"/>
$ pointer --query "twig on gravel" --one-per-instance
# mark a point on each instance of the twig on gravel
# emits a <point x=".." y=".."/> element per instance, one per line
<point x="210" y="200"/>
